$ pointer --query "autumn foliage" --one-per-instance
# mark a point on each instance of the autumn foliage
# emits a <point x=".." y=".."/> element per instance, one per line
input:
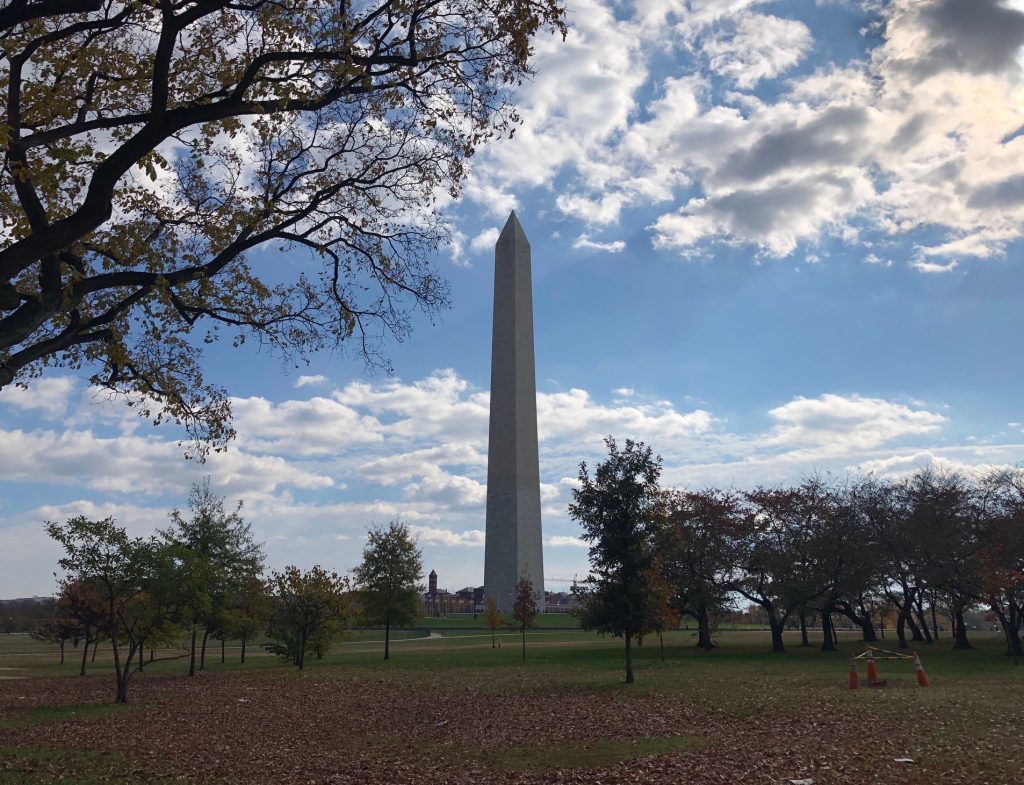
<point x="153" y="149"/>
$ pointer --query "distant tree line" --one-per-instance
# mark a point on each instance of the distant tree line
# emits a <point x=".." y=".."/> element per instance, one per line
<point x="202" y="579"/>
<point x="857" y="548"/>
<point x="22" y="616"/>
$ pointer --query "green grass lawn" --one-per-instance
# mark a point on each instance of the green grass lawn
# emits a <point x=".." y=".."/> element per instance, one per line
<point x="451" y="709"/>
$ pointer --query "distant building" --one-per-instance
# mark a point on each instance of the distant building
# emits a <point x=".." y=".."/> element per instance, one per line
<point x="560" y="602"/>
<point x="438" y="602"/>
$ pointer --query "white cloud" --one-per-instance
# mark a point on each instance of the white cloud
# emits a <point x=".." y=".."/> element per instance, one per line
<point x="584" y="241"/>
<point x="310" y="381"/>
<point x="575" y="417"/>
<point x="392" y="469"/>
<point x="933" y="267"/>
<point x="603" y="210"/>
<point x="776" y="217"/>
<point x="843" y="424"/>
<point x="49" y="395"/>
<point x="473" y="538"/>
<point x="317" y="426"/>
<point x="447" y="490"/>
<point x="485" y="241"/>
<point x="563" y="541"/>
<point x="756" y="47"/>
<point x="136" y="465"/>
<point x="582" y="96"/>
<point x="439" y="404"/>
<point x="919" y="135"/>
<point x="457" y="248"/>
<point x="976" y="465"/>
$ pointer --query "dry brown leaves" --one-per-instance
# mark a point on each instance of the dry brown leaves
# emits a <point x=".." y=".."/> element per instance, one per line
<point x="330" y="727"/>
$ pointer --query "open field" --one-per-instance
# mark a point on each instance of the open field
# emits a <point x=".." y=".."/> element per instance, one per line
<point x="452" y="710"/>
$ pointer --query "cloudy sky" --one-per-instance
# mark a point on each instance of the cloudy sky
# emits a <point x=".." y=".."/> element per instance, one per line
<point x="769" y="238"/>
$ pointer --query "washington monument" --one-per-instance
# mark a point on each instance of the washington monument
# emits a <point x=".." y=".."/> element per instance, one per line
<point x="513" y="535"/>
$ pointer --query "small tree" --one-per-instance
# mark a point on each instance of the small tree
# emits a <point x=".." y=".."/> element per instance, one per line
<point x="492" y="617"/>
<point x="216" y="553"/>
<point x="57" y="627"/>
<point x="619" y="510"/>
<point x="84" y="604"/>
<point x="248" y="611"/>
<point x="693" y="553"/>
<point x="524" y="606"/>
<point x="137" y="582"/>
<point x="387" y="579"/>
<point x="309" y="607"/>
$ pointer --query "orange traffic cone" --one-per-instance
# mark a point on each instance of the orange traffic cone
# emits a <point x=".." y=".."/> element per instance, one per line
<point x="922" y="679"/>
<point x="853" y="673"/>
<point x="872" y="670"/>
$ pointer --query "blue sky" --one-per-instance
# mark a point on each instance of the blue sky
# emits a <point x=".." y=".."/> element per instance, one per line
<point x="769" y="238"/>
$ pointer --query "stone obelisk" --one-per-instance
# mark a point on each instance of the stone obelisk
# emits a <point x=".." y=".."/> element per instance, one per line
<point x="513" y="541"/>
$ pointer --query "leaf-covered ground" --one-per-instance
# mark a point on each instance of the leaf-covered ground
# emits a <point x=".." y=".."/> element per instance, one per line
<point x="723" y="719"/>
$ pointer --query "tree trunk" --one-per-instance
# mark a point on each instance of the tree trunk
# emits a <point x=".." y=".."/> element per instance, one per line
<point x="524" y="643"/>
<point x="122" y="689"/>
<point x="704" y="631"/>
<point x="629" y="657"/>
<point x="776" y="627"/>
<point x="827" y="642"/>
<point x="202" y="654"/>
<point x="915" y="630"/>
<point x="142" y="643"/>
<point x="960" y="630"/>
<point x="493" y="645"/>
<point x="868" y="628"/>
<point x="302" y="652"/>
<point x="901" y="635"/>
<point x="95" y="646"/>
<point x="192" y="655"/>
<point x="935" y="623"/>
<point x="661" y="642"/>
<point x="85" y="653"/>
<point x="123" y="675"/>
<point x="919" y="610"/>
<point x="804" y="642"/>
<point x="864" y="622"/>
<point x="62" y="652"/>
<point x="244" y="639"/>
<point x="387" y="640"/>
<point x="223" y="645"/>
<point x="1013" y="643"/>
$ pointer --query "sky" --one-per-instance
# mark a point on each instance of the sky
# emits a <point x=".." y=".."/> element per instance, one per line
<point x="769" y="239"/>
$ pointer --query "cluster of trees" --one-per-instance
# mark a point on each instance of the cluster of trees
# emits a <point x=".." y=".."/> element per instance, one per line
<point x="931" y="543"/>
<point x="202" y="578"/>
